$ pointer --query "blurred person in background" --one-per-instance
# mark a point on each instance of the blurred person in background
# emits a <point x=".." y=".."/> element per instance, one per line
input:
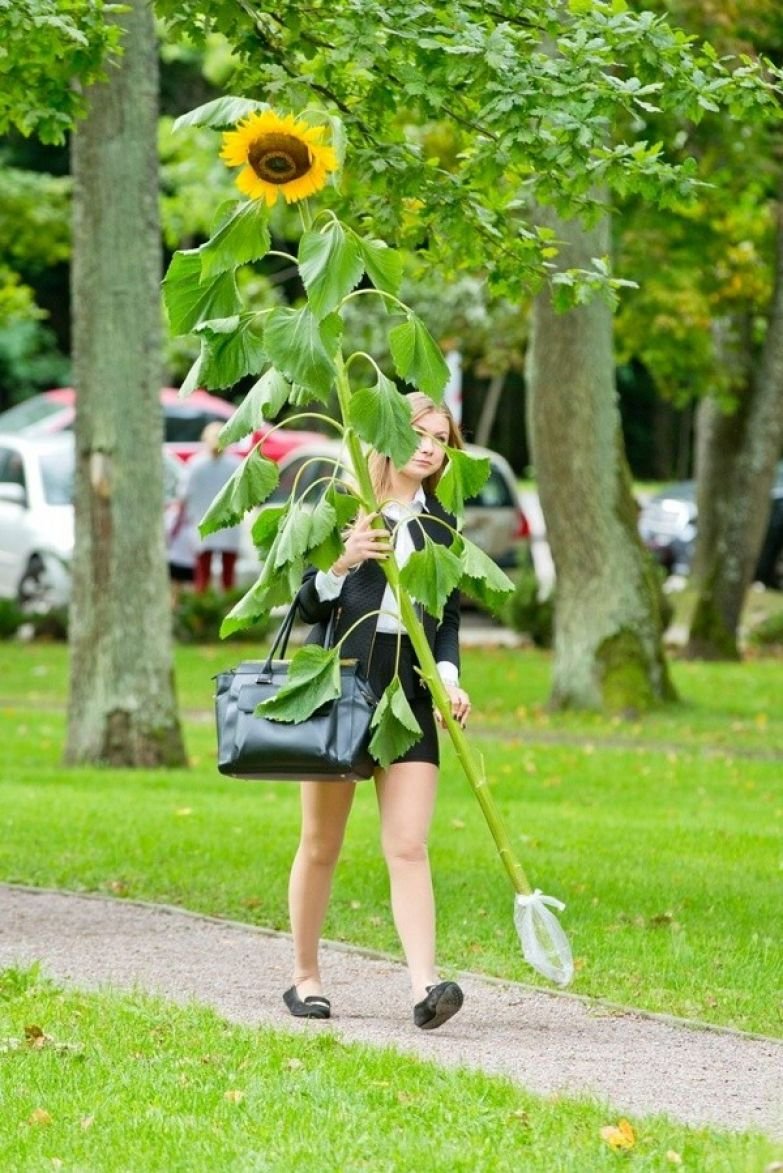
<point x="206" y="475"/>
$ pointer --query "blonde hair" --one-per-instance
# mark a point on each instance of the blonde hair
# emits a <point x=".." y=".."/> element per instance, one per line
<point x="380" y="466"/>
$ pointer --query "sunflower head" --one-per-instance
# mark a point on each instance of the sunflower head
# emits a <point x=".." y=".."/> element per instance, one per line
<point x="278" y="155"/>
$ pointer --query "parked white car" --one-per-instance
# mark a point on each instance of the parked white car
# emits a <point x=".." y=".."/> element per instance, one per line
<point x="36" y="517"/>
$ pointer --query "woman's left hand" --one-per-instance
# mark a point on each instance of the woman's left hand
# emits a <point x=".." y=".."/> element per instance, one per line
<point x="460" y="705"/>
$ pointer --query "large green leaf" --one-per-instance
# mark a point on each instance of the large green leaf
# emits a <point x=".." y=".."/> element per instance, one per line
<point x="273" y="588"/>
<point x="462" y="478"/>
<point x="221" y="113"/>
<point x="382" y="417"/>
<point x="188" y="302"/>
<point x="326" y="552"/>
<point x="313" y="680"/>
<point x="383" y="265"/>
<point x="242" y="236"/>
<point x="345" y="505"/>
<point x="304" y="527"/>
<point x="482" y="578"/>
<point x="233" y="348"/>
<point x="303" y="348"/>
<point x="396" y="728"/>
<point x="417" y="357"/>
<point x="431" y="574"/>
<point x="263" y="401"/>
<point x="330" y="265"/>
<point x="249" y="485"/>
<point x="266" y="527"/>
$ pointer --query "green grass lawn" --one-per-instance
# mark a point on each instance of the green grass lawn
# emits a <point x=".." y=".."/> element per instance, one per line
<point x="111" y="1084"/>
<point x="663" y="837"/>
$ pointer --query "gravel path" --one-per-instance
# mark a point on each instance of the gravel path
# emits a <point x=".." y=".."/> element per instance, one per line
<point x="550" y="1043"/>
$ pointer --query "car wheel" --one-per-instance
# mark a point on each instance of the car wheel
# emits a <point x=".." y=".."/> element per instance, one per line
<point x="36" y="590"/>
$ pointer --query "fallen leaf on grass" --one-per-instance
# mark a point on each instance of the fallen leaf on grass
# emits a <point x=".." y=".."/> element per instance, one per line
<point x="34" y="1036"/>
<point x="619" y="1136"/>
<point x="39" y="1116"/>
<point x="86" y="1122"/>
<point x="293" y="1064"/>
<point x="673" y="1157"/>
<point x="234" y="1096"/>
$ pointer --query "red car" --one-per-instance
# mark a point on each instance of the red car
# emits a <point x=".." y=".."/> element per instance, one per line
<point x="184" y="419"/>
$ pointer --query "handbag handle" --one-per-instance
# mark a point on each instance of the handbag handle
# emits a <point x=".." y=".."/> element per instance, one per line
<point x="280" y="644"/>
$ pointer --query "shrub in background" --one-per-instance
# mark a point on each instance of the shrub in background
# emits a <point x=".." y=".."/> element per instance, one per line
<point x="769" y="633"/>
<point x="528" y="614"/>
<point x="197" y="618"/>
<point x="11" y="618"/>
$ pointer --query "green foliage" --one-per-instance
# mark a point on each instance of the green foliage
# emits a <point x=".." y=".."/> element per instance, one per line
<point x="242" y="236"/>
<point x="527" y="613"/>
<point x="431" y="574"/>
<point x="395" y="727"/>
<point x="188" y="301"/>
<point x="249" y="484"/>
<point x="197" y="618"/>
<point x="220" y="114"/>
<point x="11" y="618"/>
<point x="482" y="578"/>
<point x="330" y="265"/>
<point x="49" y="47"/>
<point x="230" y="349"/>
<point x="769" y="633"/>
<point x="459" y="126"/>
<point x="383" y="265"/>
<point x="303" y="529"/>
<point x="264" y="401"/>
<point x="463" y="477"/>
<point x="271" y="589"/>
<point x="382" y="418"/>
<point x="313" y="680"/>
<point x="303" y="348"/>
<point x="417" y="357"/>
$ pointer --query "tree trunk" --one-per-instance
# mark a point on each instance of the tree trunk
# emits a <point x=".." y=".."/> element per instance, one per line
<point x="489" y="409"/>
<point x="608" y="647"/>
<point x="736" y="458"/>
<point x="122" y="706"/>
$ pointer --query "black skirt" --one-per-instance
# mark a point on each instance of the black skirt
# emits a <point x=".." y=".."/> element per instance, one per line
<point x="381" y="667"/>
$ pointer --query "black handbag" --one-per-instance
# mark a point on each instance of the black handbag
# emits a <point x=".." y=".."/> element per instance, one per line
<point x="329" y="745"/>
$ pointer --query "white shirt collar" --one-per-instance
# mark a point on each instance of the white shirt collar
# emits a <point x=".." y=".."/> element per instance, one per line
<point x="396" y="510"/>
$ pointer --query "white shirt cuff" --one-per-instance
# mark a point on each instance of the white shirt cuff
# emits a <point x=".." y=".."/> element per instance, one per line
<point x="448" y="672"/>
<point x="328" y="586"/>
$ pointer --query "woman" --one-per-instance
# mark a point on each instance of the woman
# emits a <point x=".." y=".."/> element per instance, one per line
<point x="356" y="585"/>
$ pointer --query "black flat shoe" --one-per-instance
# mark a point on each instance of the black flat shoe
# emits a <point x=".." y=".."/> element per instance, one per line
<point x="442" y="1002"/>
<point x="314" y="1006"/>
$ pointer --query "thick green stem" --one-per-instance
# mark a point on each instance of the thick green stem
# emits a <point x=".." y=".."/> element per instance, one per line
<point x="474" y="770"/>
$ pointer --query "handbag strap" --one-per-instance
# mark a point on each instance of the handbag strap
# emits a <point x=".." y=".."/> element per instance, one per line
<point x="280" y="642"/>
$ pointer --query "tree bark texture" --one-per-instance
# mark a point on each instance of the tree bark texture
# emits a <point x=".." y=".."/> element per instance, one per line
<point x="122" y="707"/>
<point x="735" y="469"/>
<point x="608" y="650"/>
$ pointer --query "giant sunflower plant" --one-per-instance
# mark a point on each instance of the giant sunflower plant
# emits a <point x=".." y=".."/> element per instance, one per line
<point x="299" y="357"/>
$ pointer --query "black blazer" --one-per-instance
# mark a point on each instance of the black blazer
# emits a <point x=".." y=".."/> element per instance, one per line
<point x="363" y="591"/>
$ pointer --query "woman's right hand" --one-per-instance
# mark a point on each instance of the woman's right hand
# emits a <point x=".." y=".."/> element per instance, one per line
<point x="362" y="542"/>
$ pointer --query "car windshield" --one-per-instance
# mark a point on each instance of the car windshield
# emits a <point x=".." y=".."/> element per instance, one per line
<point x="25" y="417"/>
<point x="57" y="476"/>
<point x="493" y="494"/>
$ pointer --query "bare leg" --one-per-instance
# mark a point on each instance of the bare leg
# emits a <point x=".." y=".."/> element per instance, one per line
<point x="406" y="798"/>
<point x="325" y="810"/>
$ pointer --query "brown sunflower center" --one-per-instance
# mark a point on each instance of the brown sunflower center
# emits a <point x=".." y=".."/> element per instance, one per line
<point x="279" y="158"/>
